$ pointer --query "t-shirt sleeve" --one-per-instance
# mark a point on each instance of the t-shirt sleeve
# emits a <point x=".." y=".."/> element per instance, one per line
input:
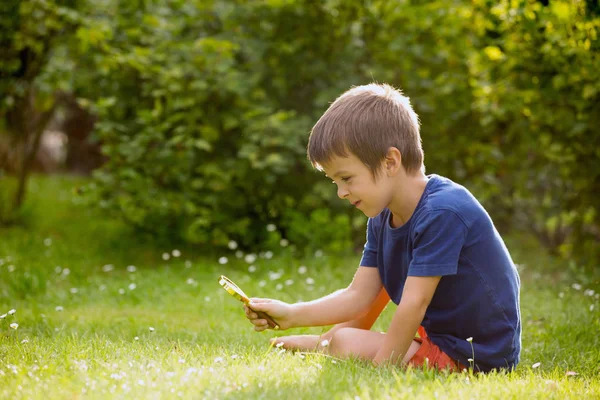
<point x="369" y="256"/>
<point x="438" y="238"/>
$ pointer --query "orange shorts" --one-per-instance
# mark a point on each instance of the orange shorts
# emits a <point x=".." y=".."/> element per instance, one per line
<point x="432" y="356"/>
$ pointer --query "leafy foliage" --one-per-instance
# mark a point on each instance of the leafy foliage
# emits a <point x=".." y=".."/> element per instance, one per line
<point x="205" y="107"/>
<point x="30" y="31"/>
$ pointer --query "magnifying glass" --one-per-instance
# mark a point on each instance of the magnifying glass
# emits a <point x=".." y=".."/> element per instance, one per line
<point x="239" y="294"/>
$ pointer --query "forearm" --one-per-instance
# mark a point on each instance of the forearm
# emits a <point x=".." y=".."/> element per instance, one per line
<point x="399" y="337"/>
<point x="338" y="307"/>
<point x="367" y="320"/>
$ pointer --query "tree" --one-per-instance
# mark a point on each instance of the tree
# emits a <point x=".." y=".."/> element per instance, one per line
<point x="30" y="31"/>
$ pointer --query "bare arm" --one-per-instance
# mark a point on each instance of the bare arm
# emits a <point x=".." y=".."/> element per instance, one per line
<point x="417" y="294"/>
<point x="344" y="305"/>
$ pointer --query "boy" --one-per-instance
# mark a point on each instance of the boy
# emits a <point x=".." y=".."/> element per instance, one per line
<point x="431" y="248"/>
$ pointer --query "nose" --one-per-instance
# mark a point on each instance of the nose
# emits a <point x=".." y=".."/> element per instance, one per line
<point x="342" y="192"/>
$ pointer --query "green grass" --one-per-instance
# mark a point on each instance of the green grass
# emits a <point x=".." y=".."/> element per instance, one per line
<point x="100" y="344"/>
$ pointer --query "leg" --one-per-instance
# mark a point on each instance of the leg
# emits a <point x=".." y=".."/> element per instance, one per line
<point x="361" y="343"/>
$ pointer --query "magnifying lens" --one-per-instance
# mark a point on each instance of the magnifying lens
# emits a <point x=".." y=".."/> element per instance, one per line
<point x="239" y="294"/>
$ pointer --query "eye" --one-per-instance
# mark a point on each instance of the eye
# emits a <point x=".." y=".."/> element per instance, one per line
<point x="346" y="179"/>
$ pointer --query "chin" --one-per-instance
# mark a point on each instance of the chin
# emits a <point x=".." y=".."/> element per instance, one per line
<point x="372" y="213"/>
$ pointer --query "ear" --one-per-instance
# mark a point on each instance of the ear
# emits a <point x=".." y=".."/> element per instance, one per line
<point x="392" y="162"/>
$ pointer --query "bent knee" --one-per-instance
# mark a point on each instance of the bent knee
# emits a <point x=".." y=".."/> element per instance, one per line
<point x="353" y="342"/>
<point x="342" y="341"/>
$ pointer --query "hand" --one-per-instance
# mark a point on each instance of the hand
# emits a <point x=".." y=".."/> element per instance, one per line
<point x="278" y="310"/>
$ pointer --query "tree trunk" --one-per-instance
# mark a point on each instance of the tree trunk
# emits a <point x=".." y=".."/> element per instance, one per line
<point x="33" y="128"/>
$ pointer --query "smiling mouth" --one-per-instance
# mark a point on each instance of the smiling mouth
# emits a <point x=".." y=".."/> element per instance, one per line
<point x="356" y="204"/>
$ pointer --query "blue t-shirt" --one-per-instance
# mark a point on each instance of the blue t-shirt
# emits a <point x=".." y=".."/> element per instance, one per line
<point x="452" y="236"/>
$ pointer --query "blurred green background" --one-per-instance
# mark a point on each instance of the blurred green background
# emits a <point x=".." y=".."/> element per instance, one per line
<point x="189" y="119"/>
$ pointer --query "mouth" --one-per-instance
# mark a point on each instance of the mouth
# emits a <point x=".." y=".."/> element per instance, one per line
<point x="356" y="203"/>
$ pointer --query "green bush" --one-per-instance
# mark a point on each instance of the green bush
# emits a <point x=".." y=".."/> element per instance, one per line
<point x="204" y="118"/>
<point x="537" y="82"/>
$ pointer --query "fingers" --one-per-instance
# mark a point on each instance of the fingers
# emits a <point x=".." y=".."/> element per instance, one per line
<point x="250" y="314"/>
<point x="260" y="324"/>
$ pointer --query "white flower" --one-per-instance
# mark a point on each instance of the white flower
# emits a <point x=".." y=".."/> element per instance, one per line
<point x="223" y="260"/>
<point x="470" y="339"/>
<point x="537" y="364"/>
<point x="219" y="360"/>
<point x="121" y="291"/>
<point x="576" y="286"/>
<point x="268" y="254"/>
<point x="14" y="325"/>
<point x="131" y="268"/>
<point x="289" y="282"/>
<point x="58" y="269"/>
<point x="136" y="338"/>
<point x="181" y="360"/>
<point x="239" y="254"/>
<point x="207" y="299"/>
<point x="74" y="290"/>
<point x="12" y="312"/>
<point x="188" y="264"/>
<point x="302" y="270"/>
<point x="284" y="242"/>
<point x="591" y="307"/>
<point x="271" y="227"/>
<point x="108" y="268"/>
<point x="59" y="308"/>
<point x="176" y="253"/>
<point x="132" y="286"/>
<point x="279" y="286"/>
<point x="310" y="281"/>
<point x="324" y="343"/>
<point x="274" y="275"/>
<point x="166" y="256"/>
<point x="251" y="268"/>
<point x="102" y="287"/>
<point x="262" y="283"/>
<point x="319" y="253"/>
<point x="232" y="244"/>
<point x="66" y="271"/>
<point x="190" y="281"/>
<point x="2" y="316"/>
<point x="25" y="341"/>
<point x="48" y="242"/>
<point x="279" y="344"/>
<point x="151" y="329"/>
<point x="588" y="292"/>
<point x="250" y="258"/>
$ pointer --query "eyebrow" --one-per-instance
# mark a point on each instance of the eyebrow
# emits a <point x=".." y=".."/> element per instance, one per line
<point x="342" y="172"/>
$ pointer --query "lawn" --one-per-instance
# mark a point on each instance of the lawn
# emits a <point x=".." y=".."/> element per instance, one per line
<point x="103" y="312"/>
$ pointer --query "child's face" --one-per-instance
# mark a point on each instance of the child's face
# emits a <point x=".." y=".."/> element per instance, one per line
<point x="356" y="184"/>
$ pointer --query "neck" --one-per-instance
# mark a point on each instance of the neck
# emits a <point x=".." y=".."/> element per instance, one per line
<point x="408" y="192"/>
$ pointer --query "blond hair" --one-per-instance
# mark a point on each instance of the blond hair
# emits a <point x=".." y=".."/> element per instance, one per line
<point x="366" y="121"/>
